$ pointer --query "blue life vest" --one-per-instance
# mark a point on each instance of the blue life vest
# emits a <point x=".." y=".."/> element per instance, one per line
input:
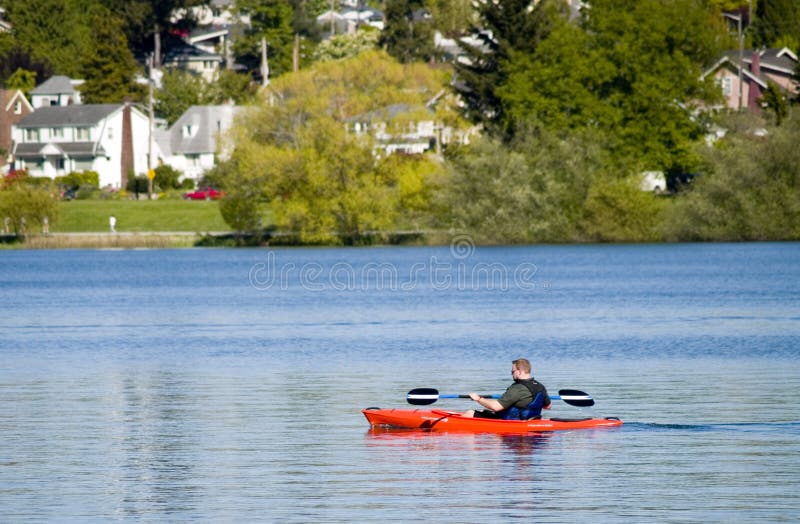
<point x="532" y="410"/>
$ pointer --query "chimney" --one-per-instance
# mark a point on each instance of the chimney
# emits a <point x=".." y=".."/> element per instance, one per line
<point x="126" y="160"/>
<point x="754" y="93"/>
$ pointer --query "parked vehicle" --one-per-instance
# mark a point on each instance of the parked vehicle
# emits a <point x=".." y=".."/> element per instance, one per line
<point x="206" y="193"/>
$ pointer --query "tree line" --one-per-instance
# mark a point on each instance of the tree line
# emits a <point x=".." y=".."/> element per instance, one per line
<point x="572" y="108"/>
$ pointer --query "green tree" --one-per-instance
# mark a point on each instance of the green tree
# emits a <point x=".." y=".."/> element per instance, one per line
<point x="503" y="28"/>
<point x="346" y="45"/>
<point x="297" y="150"/>
<point x="179" y="91"/>
<point x="777" y="22"/>
<point x="531" y="189"/>
<point x="749" y="189"/>
<point x="451" y="17"/>
<point x="21" y="200"/>
<point x="405" y="36"/>
<point x="272" y="21"/>
<point x="108" y="67"/>
<point x="23" y="80"/>
<point x="53" y="31"/>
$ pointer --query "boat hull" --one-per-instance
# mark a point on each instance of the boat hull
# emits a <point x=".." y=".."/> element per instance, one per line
<point x="442" y="420"/>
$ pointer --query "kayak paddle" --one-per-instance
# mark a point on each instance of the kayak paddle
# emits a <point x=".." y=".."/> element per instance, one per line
<point x="425" y="396"/>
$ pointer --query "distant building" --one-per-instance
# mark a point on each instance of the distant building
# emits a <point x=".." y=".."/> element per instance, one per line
<point x="192" y="144"/>
<point x="758" y="69"/>
<point x="111" y="139"/>
<point x="13" y="108"/>
<point x="56" y="91"/>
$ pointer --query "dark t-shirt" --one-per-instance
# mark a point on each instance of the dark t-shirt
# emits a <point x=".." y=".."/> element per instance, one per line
<point x="517" y="395"/>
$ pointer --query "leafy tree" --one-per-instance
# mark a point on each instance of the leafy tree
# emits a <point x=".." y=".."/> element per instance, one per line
<point x="346" y="45"/>
<point x="23" y="80"/>
<point x="405" y="36"/>
<point x="617" y="210"/>
<point x="22" y="200"/>
<point x="532" y="189"/>
<point x="179" y="91"/>
<point x="108" y="67"/>
<point x="322" y="181"/>
<point x="272" y="21"/>
<point x="451" y="17"/>
<point x="14" y="57"/>
<point x="776" y="102"/>
<point x="749" y="189"/>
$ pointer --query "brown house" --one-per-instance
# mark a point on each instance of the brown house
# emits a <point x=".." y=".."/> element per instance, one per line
<point x="13" y="108"/>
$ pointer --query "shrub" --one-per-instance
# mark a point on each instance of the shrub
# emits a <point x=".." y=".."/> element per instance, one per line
<point x="77" y="179"/>
<point x="167" y="177"/>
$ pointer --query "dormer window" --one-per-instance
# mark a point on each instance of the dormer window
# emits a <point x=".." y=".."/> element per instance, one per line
<point x="189" y="131"/>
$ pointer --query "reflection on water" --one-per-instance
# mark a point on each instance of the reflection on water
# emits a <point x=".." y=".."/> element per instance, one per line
<point x="162" y="386"/>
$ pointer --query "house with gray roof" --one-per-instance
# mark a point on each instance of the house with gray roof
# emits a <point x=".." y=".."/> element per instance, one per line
<point x="192" y="144"/>
<point x="111" y="139"/>
<point x="56" y="91"/>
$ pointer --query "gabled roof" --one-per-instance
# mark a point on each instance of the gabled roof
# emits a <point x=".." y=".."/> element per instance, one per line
<point x="56" y="85"/>
<point x="68" y="116"/>
<point x="9" y="96"/>
<point x="180" y="52"/>
<point x="208" y="121"/>
<point x="201" y="34"/>
<point x="733" y="66"/>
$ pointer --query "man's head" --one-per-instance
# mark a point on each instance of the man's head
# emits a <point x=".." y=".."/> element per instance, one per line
<point x="520" y="368"/>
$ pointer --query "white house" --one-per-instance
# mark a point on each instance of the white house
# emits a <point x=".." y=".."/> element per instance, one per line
<point x="111" y="139"/>
<point x="191" y="145"/>
<point x="56" y="91"/>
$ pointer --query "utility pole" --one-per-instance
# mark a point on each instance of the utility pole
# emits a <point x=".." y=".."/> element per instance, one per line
<point x="150" y="119"/>
<point x="264" y="63"/>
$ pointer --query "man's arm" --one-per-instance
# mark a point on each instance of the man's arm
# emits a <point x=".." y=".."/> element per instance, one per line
<point x="488" y="403"/>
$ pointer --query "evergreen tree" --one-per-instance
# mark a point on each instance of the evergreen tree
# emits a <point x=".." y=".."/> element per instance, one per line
<point x="53" y="32"/>
<point x="503" y="28"/>
<point x="407" y="35"/>
<point x="777" y="23"/>
<point x="109" y="67"/>
<point x="272" y="21"/>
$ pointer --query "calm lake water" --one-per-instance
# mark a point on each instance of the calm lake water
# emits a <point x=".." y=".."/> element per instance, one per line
<point x="226" y="385"/>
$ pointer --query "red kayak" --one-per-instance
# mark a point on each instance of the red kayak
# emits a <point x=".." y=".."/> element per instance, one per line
<point x="442" y="420"/>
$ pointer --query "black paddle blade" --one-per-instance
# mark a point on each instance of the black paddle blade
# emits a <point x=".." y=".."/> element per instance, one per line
<point x="422" y="396"/>
<point x="573" y="397"/>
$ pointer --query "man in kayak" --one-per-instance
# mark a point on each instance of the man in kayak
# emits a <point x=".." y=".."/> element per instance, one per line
<point x="524" y="399"/>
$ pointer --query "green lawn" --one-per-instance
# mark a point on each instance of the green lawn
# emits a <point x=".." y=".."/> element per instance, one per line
<point x="87" y="216"/>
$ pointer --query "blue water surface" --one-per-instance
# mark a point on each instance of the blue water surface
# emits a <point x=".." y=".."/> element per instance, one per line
<point x="226" y="385"/>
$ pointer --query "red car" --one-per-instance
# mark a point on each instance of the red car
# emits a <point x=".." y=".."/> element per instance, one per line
<point x="206" y="193"/>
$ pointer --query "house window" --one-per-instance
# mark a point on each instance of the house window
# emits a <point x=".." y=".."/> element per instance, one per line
<point x="59" y="163"/>
<point x="193" y="160"/>
<point x="208" y="64"/>
<point x="189" y="131"/>
<point x="727" y="86"/>
<point x="56" y="132"/>
<point x="111" y="133"/>
<point x="82" y="134"/>
<point x="83" y="164"/>
<point x="31" y="135"/>
<point x="18" y="108"/>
